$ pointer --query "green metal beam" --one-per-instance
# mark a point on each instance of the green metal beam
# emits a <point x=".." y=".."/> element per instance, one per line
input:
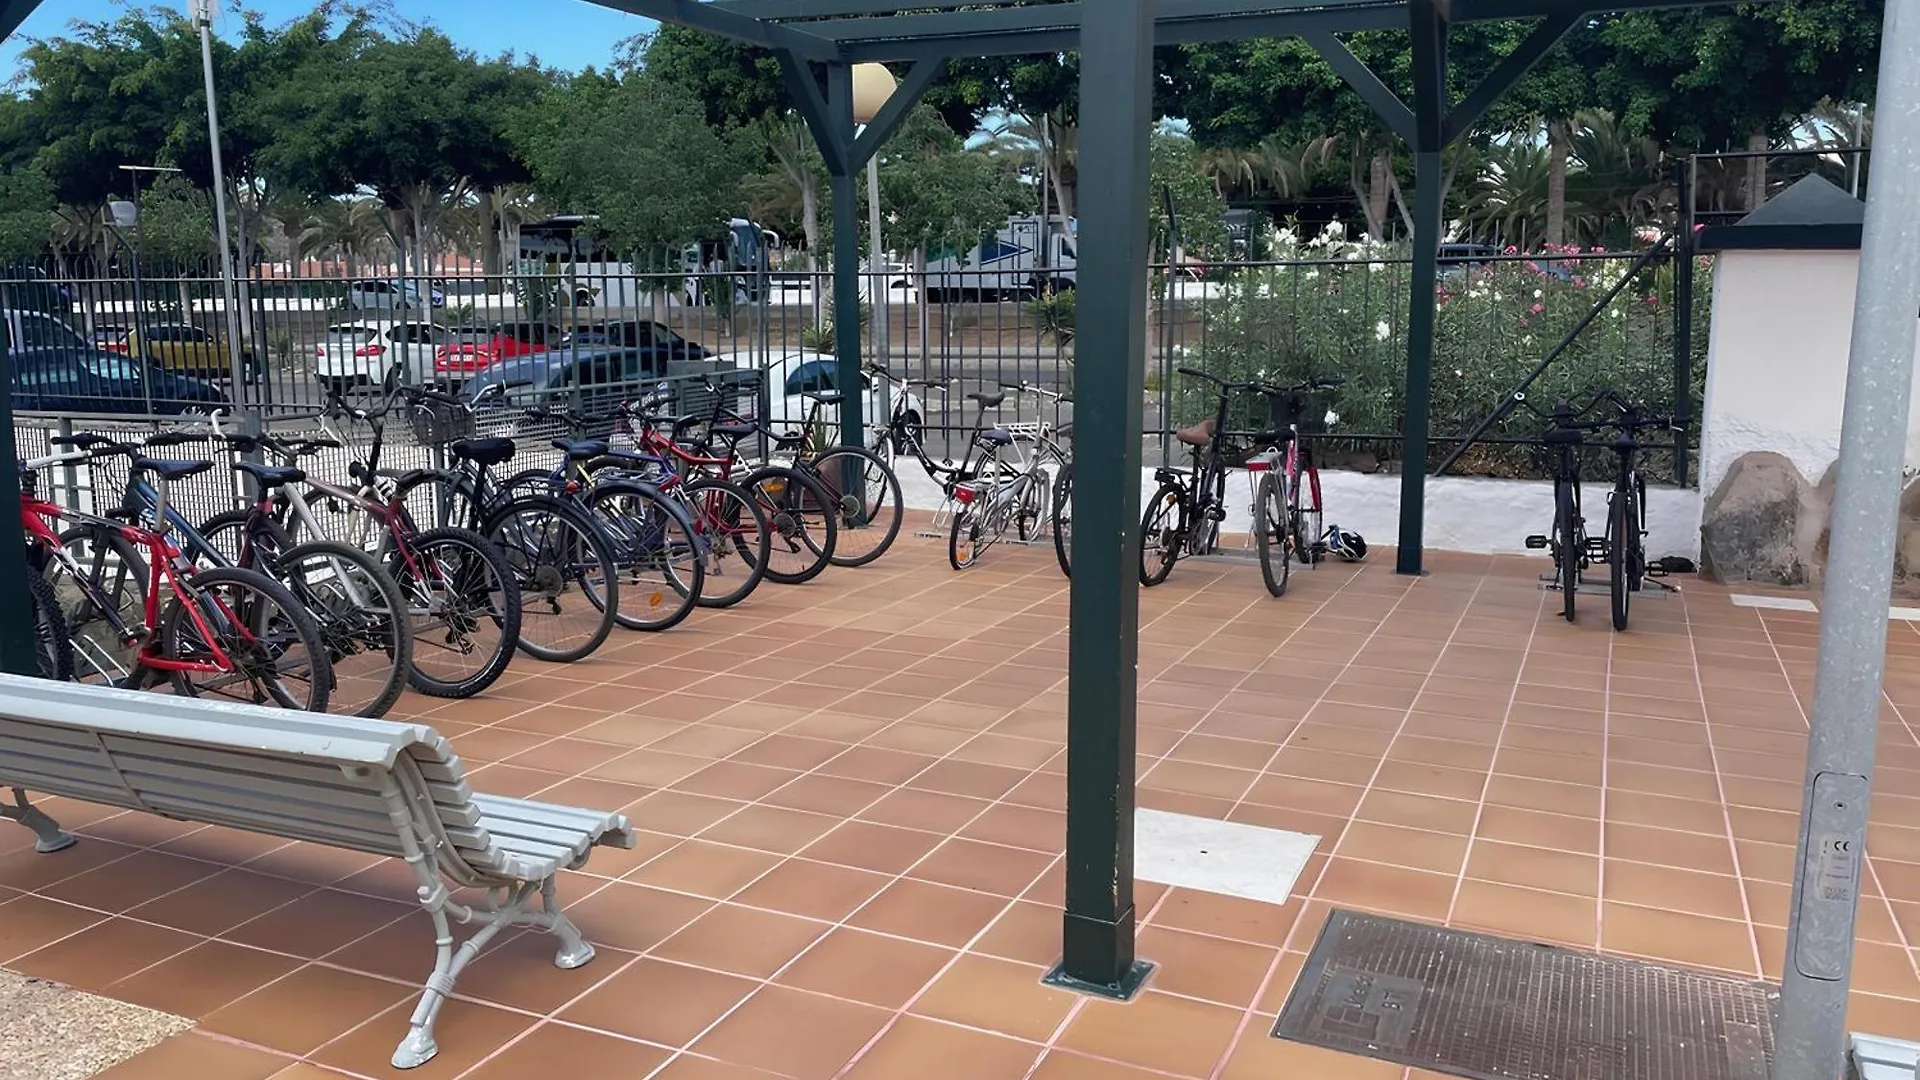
<point x="825" y="9"/>
<point x="846" y="256"/>
<point x="1471" y="108"/>
<point x="1392" y="111"/>
<point x="1171" y="32"/>
<point x="1427" y="25"/>
<point x="1040" y="18"/>
<point x="812" y="103"/>
<point x="718" y="20"/>
<point x="19" y="653"/>
<point x="13" y="13"/>
<point x="1116" y="98"/>
<point x="905" y="96"/>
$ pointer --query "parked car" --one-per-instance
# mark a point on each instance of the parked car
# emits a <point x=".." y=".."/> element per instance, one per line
<point x="469" y="352"/>
<point x="792" y="376"/>
<point x="110" y="337"/>
<point x="29" y="288"/>
<point x="652" y="337"/>
<point x="590" y="377"/>
<point x="185" y="348"/>
<point x="386" y="294"/>
<point x="57" y="370"/>
<point x="381" y="354"/>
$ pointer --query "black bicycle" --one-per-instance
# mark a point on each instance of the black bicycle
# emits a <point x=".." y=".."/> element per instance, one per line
<point x="1186" y="510"/>
<point x="1622" y="547"/>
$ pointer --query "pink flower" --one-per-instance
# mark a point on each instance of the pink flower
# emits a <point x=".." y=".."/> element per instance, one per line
<point x="1511" y="250"/>
<point x="1599" y="250"/>
<point x="1579" y="282"/>
<point x="1538" y="308"/>
<point x="1653" y="301"/>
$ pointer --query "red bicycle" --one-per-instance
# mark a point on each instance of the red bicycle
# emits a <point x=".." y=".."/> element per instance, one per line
<point x="141" y="614"/>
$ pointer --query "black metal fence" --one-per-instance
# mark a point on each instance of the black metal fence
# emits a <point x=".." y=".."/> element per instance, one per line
<point x="134" y="349"/>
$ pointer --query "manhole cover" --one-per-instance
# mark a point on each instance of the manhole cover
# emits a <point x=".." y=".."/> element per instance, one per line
<point x="1494" y="1009"/>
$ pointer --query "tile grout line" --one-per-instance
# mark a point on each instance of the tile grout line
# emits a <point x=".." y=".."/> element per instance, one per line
<point x="1720" y="786"/>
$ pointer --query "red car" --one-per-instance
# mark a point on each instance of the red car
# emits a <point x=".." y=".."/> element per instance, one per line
<point x="473" y="351"/>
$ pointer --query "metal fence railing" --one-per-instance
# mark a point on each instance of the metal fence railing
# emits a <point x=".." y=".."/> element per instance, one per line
<point x="122" y="349"/>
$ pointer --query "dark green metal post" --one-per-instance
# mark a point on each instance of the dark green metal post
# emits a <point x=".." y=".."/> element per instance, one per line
<point x="1428" y="41"/>
<point x="1683" y="255"/>
<point x="18" y="655"/>
<point x="1116" y="81"/>
<point x="846" y="256"/>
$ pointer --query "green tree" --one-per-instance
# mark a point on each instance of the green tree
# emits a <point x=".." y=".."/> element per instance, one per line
<point x="935" y="194"/>
<point x="1178" y="176"/>
<point x="638" y="153"/>
<point x="27" y="220"/>
<point x="738" y="84"/>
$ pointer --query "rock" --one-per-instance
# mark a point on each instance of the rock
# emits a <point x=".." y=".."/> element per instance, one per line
<point x="1751" y="529"/>
<point x="1363" y="461"/>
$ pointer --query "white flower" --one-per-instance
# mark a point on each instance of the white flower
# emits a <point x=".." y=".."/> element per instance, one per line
<point x="1458" y="373"/>
<point x="1538" y="295"/>
<point x="1382" y="331"/>
<point x="1311" y="274"/>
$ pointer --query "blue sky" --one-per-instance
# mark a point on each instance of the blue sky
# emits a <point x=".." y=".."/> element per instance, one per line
<point x="562" y="33"/>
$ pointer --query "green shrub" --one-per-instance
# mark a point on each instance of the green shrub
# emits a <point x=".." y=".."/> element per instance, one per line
<point x="1053" y="312"/>
<point x="1335" y="308"/>
<point x="820" y="337"/>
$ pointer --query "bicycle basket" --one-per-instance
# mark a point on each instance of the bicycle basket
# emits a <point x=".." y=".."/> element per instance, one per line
<point x="435" y="422"/>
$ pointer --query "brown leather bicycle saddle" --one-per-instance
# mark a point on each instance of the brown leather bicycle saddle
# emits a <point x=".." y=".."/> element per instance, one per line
<point x="1199" y="434"/>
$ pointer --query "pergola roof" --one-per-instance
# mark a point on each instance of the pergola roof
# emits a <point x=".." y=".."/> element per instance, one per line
<point x="869" y="30"/>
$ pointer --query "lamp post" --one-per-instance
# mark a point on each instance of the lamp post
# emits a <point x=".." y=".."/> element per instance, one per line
<point x="202" y="12"/>
<point x="127" y="216"/>
<point x="123" y="215"/>
<point x="873" y="84"/>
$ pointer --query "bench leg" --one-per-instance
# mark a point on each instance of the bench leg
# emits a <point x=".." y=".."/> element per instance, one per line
<point x="50" y="837"/>
<point x="514" y="909"/>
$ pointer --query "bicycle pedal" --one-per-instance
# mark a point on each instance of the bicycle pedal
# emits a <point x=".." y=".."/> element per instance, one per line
<point x="1536" y="543"/>
<point x="1654" y="570"/>
<point x="1596" y="548"/>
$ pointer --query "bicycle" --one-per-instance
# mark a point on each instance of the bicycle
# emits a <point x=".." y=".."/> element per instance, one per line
<point x="142" y="613"/>
<point x="561" y="557"/>
<point x="1186" y="514"/>
<point x="455" y="584"/>
<point x="859" y="485"/>
<point x="1623" y="545"/>
<point x="985" y="507"/>
<point x="52" y="640"/>
<point x="654" y="534"/>
<point x="1287" y="509"/>
<point x="799" y="547"/>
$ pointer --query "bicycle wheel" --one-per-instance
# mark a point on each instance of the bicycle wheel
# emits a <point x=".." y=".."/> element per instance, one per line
<point x="100" y="581"/>
<point x="969" y="535"/>
<point x="1566" y="525"/>
<point x="1063" y="519"/>
<point x="362" y="616"/>
<point x="1637" y="536"/>
<point x="1304" y="519"/>
<point x="1161" y="530"/>
<point x="661" y="570"/>
<point x="224" y="532"/>
<point x="1271" y="536"/>
<point x="865" y="495"/>
<point x="52" y="643"/>
<point x="441" y="499"/>
<point x="1619" y="554"/>
<point x="464" y="603"/>
<point x="1031" y="509"/>
<point x="800" y="546"/>
<point x="272" y="647"/>
<point x="569" y="580"/>
<point x="733" y="533"/>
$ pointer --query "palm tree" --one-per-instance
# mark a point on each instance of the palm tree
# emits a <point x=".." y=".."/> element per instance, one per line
<point x="347" y="229"/>
<point x="791" y="187"/>
<point x="1510" y="192"/>
<point x="1052" y="146"/>
<point x="1620" y="176"/>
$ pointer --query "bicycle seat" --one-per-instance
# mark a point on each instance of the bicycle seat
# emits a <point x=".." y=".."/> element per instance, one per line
<point x="734" y="431"/>
<point x="824" y="397"/>
<point x="997" y="436"/>
<point x="171" y="469"/>
<point x="580" y="449"/>
<point x="1199" y="434"/>
<point x="271" y="476"/>
<point x="483" y="451"/>
<point x="987" y="401"/>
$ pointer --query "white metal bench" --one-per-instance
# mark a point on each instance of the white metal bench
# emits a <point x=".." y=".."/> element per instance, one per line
<point x="367" y="785"/>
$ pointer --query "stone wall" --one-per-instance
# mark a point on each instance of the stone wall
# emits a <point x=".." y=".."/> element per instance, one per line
<point x="1766" y="523"/>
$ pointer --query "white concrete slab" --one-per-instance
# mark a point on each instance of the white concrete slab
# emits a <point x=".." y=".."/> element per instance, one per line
<point x="1907" y="614"/>
<point x="1780" y="603"/>
<point x="1878" y="1058"/>
<point x="1225" y="857"/>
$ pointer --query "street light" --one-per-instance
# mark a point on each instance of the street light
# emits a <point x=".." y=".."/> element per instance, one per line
<point x="873" y="84"/>
<point x="202" y="13"/>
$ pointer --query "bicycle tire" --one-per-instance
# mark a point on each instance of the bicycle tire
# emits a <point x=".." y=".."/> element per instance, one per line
<point x="199" y="589"/>
<point x="350" y="630"/>
<point x="796" y="554"/>
<point x="1032" y="507"/>
<point x="551" y="630"/>
<point x="878" y="513"/>
<point x="477" y="572"/>
<point x="115" y="576"/>
<point x="1619" y="551"/>
<point x="1171" y="499"/>
<point x="726" y="536"/>
<point x="963" y="539"/>
<point x="232" y="524"/>
<point x="52" y="643"/>
<point x="443" y="499"/>
<point x="1271" y="523"/>
<point x="1566" y="519"/>
<point x="656" y="553"/>
<point x="1063" y="519"/>
<point x="1637" y="553"/>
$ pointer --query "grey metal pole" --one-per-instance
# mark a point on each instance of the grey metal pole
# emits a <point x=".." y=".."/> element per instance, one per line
<point x="229" y="301"/>
<point x="1810" y="1035"/>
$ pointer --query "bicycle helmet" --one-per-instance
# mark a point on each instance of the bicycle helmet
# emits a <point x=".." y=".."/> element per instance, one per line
<point x="1350" y="546"/>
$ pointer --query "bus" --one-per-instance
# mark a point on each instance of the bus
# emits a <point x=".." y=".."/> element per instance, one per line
<point x="569" y="256"/>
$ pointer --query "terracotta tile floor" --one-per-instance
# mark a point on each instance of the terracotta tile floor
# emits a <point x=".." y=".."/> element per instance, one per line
<point x="850" y="795"/>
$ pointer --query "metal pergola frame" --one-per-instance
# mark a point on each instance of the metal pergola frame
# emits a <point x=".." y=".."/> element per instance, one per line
<point x="818" y="41"/>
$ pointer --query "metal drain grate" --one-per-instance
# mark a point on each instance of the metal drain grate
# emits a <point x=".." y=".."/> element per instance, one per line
<point x="1494" y="1009"/>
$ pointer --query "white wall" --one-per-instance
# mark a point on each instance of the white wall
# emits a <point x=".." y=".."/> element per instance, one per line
<point x="1463" y="514"/>
<point x="1777" y="360"/>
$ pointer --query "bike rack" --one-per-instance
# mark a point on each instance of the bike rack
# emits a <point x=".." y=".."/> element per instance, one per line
<point x="1649" y="586"/>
